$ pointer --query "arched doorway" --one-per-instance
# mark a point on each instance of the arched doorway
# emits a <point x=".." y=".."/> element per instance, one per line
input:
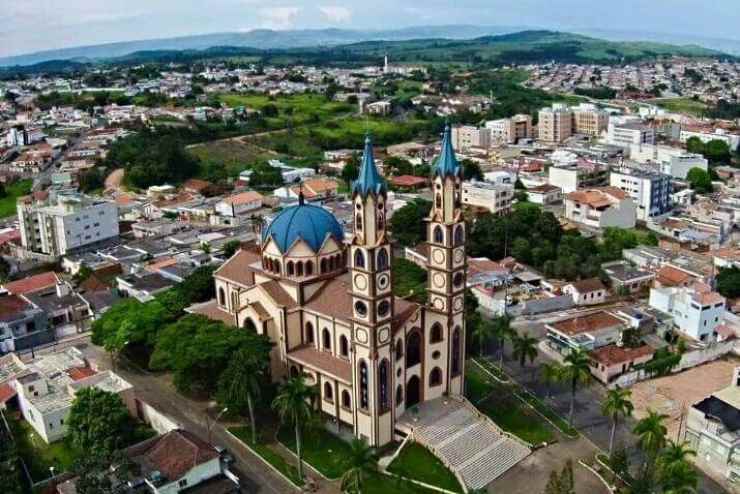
<point x="413" y="391"/>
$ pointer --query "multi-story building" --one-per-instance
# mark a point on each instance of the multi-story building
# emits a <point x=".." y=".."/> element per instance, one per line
<point x="555" y="124"/>
<point x="650" y="190"/>
<point x="589" y="120"/>
<point x="697" y="311"/>
<point x="629" y="132"/>
<point x="510" y="130"/>
<point x="673" y="161"/>
<point x="732" y="139"/>
<point x="496" y="198"/>
<point x="570" y="177"/>
<point x="601" y="208"/>
<point x="65" y="223"/>
<point x="467" y="136"/>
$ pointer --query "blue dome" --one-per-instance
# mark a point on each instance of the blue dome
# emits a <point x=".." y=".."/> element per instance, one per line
<point x="311" y="223"/>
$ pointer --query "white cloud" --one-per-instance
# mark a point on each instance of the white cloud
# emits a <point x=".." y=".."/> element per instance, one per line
<point x="335" y="13"/>
<point x="279" y="17"/>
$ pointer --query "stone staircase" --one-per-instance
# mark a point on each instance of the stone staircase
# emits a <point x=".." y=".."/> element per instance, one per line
<point x="466" y="441"/>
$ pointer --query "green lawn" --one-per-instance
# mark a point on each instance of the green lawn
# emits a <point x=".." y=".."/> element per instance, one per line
<point x="501" y="404"/>
<point x="377" y="483"/>
<point x="298" y="108"/>
<point x="325" y="452"/>
<point x="13" y="192"/>
<point x="38" y="455"/>
<point x="682" y="105"/>
<point x="268" y="454"/>
<point x="418" y="463"/>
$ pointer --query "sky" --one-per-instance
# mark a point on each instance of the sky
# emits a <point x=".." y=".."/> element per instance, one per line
<point x="32" y="25"/>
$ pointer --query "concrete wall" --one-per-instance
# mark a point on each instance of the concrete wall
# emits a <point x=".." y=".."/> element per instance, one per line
<point x="154" y="418"/>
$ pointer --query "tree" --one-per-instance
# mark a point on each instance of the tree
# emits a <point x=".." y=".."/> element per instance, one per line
<point x="407" y="224"/>
<point x="651" y="434"/>
<point x="728" y="282"/>
<point x="99" y="421"/>
<point x="616" y="405"/>
<point x="360" y="462"/>
<point x="350" y="172"/>
<point x="294" y="405"/>
<point x="672" y="463"/>
<point x="101" y="472"/>
<point x="700" y="181"/>
<point x="576" y="370"/>
<point x="4" y="269"/>
<point x="483" y="333"/>
<point x="471" y="170"/>
<point x="525" y="347"/>
<point x="10" y="468"/>
<point x="502" y="331"/>
<point x="241" y="382"/>
<point x="562" y="483"/>
<point x="550" y="373"/>
<point x="231" y="247"/>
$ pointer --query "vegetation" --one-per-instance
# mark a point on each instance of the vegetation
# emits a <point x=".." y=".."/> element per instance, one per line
<point x="728" y="282"/>
<point x="601" y="92"/>
<point x="562" y="483"/>
<point x="688" y="106"/>
<point x="9" y="199"/>
<point x="616" y="405"/>
<point x="717" y="152"/>
<point x="99" y="421"/>
<point x="700" y="181"/>
<point x="408" y="225"/>
<point x="361" y="463"/>
<point x="268" y="454"/>
<point x="418" y="463"/>
<point x="294" y="405"/>
<point x="409" y="280"/>
<point x="575" y="371"/>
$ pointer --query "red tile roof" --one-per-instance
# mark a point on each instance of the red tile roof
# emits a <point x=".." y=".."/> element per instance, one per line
<point x="32" y="283"/>
<point x="612" y="354"/>
<point x="323" y="362"/>
<point x="585" y="324"/>
<point x="79" y="373"/>
<point x="237" y="268"/>
<point x="6" y="392"/>
<point x="408" y="181"/>
<point x="11" y="305"/>
<point x="669" y="276"/>
<point x="177" y="452"/>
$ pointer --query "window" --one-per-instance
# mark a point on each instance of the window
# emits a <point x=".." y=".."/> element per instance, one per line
<point x="458" y="279"/>
<point x="438" y="234"/>
<point x="435" y="377"/>
<point x="361" y="308"/>
<point x="299" y="269"/>
<point x="413" y="349"/>
<point x="343" y="346"/>
<point x="328" y="392"/>
<point x="323" y="266"/>
<point x="382" y="260"/>
<point x="384" y="308"/>
<point x="363" y="385"/>
<point x="435" y="335"/>
<point x="346" y="400"/>
<point x="309" y="268"/>
<point x="309" y="333"/>
<point x="383" y="378"/>
<point x="399" y="349"/>
<point x="381" y="221"/>
<point x="291" y="268"/>
<point x="182" y="482"/>
<point x="359" y="259"/>
<point x="326" y="336"/>
<point x="358" y="222"/>
<point x="456" y="351"/>
<point x="399" y="394"/>
<point x="221" y="296"/>
<point x="459" y="235"/>
<point x="438" y="200"/>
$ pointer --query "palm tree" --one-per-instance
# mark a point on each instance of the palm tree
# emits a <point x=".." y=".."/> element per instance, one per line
<point x="671" y="460"/>
<point x="682" y="479"/>
<point x="651" y="433"/>
<point x="525" y="347"/>
<point x="550" y="374"/>
<point x="361" y="461"/>
<point x="576" y="370"/>
<point x="616" y="405"/>
<point x="502" y="331"/>
<point x="483" y="332"/>
<point x="241" y="382"/>
<point x="294" y="406"/>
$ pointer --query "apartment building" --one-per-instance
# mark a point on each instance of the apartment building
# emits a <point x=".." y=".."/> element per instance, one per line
<point x="555" y="124"/>
<point x="601" y="208"/>
<point x="628" y="132"/>
<point x="65" y="222"/>
<point x="510" y="130"/>
<point x="732" y="139"/>
<point x="588" y="119"/>
<point x="496" y="198"/>
<point x="468" y="136"/>
<point x="673" y="161"/>
<point x="650" y="190"/>
<point x="697" y="311"/>
<point x="573" y="176"/>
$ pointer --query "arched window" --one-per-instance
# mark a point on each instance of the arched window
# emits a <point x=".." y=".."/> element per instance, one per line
<point x="382" y="259"/>
<point x="323" y="266"/>
<point x="438" y="200"/>
<point x="381" y="221"/>
<point x="399" y="349"/>
<point x="331" y="264"/>
<point x="413" y="349"/>
<point x="221" y="296"/>
<point x="435" y="335"/>
<point x="309" y="333"/>
<point x="299" y="268"/>
<point x="269" y="264"/>
<point x="291" y="268"/>
<point x="346" y="400"/>
<point x="456" y="351"/>
<point x="399" y="395"/>
<point x="326" y="336"/>
<point x="309" y="268"/>
<point x="364" y="378"/>
<point x="358" y="221"/>
<point x="359" y="259"/>
<point x="384" y="384"/>
<point x="435" y="377"/>
<point x="343" y="346"/>
<point x="328" y="392"/>
<point x="277" y="267"/>
<point x="338" y="261"/>
<point x="249" y="325"/>
<point x="459" y="235"/>
<point x="439" y="236"/>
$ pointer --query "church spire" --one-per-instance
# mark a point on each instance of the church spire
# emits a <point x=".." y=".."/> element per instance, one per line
<point x="447" y="164"/>
<point x="369" y="180"/>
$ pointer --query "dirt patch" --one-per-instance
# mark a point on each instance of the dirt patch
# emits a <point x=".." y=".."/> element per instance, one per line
<point x="672" y="395"/>
<point x="114" y="180"/>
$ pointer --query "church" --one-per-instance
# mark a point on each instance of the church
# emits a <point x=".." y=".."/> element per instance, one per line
<point x="326" y="300"/>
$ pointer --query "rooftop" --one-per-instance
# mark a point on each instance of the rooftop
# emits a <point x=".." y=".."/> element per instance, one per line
<point x="596" y="321"/>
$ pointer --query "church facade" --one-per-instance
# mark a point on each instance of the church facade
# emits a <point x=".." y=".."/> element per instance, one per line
<point x="326" y="301"/>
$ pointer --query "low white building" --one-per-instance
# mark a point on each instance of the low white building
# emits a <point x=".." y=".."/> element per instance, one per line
<point x="496" y="198"/>
<point x="601" y="208"/>
<point x="673" y="161"/>
<point x="586" y="292"/>
<point x="241" y="203"/>
<point x="696" y="309"/>
<point x="545" y="194"/>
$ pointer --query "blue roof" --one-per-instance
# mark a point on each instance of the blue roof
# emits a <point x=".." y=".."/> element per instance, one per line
<point x="446" y="164"/>
<point x="311" y="223"/>
<point x="369" y="180"/>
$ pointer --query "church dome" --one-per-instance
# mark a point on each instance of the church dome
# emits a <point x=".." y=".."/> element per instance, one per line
<point x="305" y="221"/>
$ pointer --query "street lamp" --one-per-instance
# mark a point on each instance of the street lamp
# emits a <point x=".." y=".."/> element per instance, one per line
<point x="215" y="421"/>
<point x="51" y="469"/>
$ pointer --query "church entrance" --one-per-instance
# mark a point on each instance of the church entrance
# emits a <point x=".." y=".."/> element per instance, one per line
<point x="413" y="392"/>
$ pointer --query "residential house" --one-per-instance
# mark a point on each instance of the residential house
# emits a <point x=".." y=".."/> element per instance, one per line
<point x="586" y="292"/>
<point x="601" y="208"/>
<point x="238" y="204"/>
<point x="611" y="361"/>
<point x="589" y="332"/>
<point x="697" y="311"/>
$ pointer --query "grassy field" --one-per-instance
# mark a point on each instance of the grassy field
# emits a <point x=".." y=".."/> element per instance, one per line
<point x="419" y="463"/>
<point x="500" y="403"/>
<point x="326" y="452"/>
<point x="300" y="109"/>
<point x="234" y="155"/>
<point x="13" y="191"/>
<point x="267" y="454"/>
<point x="39" y="456"/>
<point x="682" y="105"/>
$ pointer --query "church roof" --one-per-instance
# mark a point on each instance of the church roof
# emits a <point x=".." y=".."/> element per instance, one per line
<point x="369" y="180"/>
<point x="446" y="164"/>
<point x="305" y="221"/>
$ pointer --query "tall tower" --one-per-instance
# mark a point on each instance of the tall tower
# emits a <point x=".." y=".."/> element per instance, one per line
<point x="444" y="321"/>
<point x="372" y="305"/>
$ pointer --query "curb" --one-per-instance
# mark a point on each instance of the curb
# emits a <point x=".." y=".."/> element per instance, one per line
<point x="598" y="475"/>
<point x="269" y="465"/>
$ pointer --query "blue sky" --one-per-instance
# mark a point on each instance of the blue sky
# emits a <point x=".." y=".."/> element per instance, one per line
<point x="32" y="25"/>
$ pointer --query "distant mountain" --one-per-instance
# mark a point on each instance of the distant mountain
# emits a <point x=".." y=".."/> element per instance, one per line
<point x="263" y="39"/>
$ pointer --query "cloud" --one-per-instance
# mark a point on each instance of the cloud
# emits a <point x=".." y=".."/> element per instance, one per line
<point x="279" y="17"/>
<point x="335" y="13"/>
